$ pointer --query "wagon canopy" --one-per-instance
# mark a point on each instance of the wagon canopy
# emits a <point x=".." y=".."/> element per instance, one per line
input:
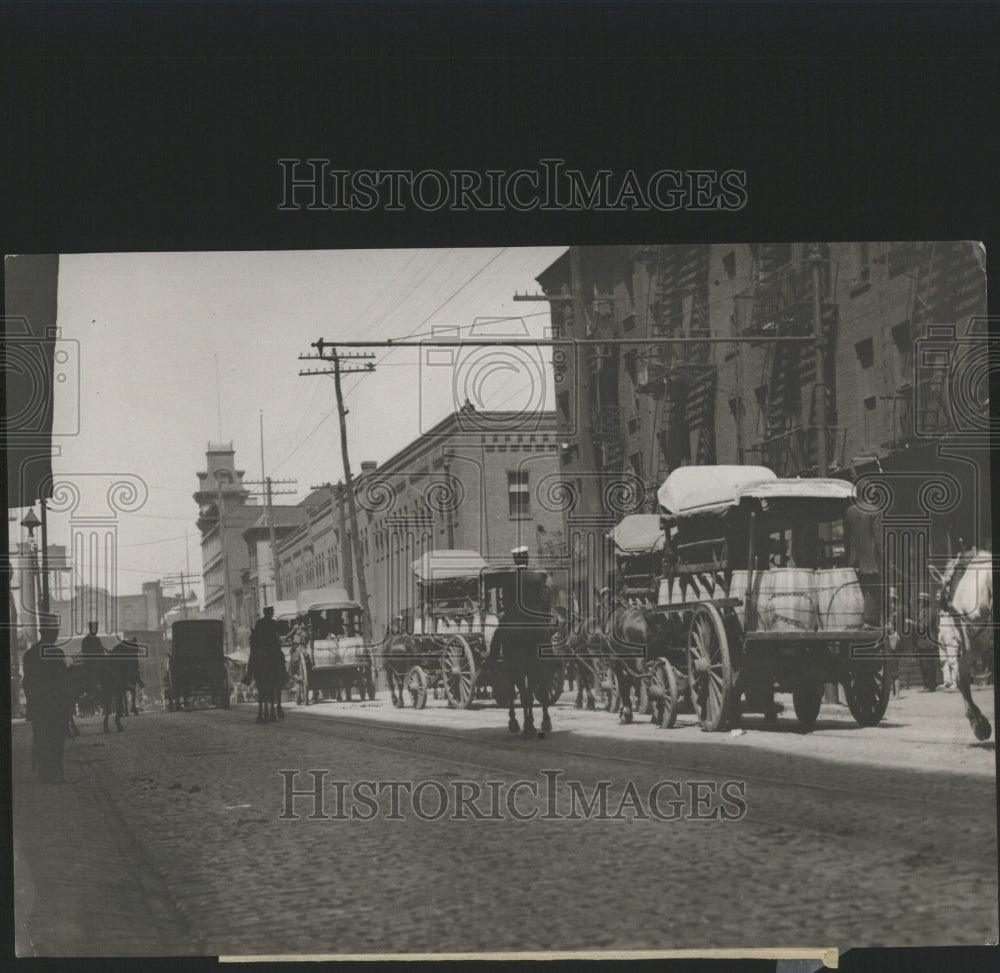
<point x="324" y="599"/>
<point x="695" y="490"/>
<point x="437" y="566"/>
<point x="639" y="534"/>
<point x="286" y="611"/>
<point x="809" y="489"/>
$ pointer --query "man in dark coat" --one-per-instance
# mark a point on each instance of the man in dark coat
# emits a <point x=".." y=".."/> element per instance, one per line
<point x="863" y="543"/>
<point x="264" y="639"/>
<point x="51" y="700"/>
<point x="92" y="649"/>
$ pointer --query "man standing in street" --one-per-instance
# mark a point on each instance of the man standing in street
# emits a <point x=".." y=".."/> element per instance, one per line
<point x="92" y="649"/>
<point x="51" y="700"/>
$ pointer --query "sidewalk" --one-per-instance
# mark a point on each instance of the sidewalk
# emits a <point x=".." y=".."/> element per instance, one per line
<point x="78" y="868"/>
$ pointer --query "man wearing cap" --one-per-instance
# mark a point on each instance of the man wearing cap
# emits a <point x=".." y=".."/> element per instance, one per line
<point x="51" y="700"/>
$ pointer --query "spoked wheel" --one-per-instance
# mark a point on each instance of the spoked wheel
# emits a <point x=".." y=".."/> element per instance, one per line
<point x="663" y="694"/>
<point x="645" y="700"/>
<point x="710" y="671"/>
<point x="807" y="694"/>
<point x="458" y="671"/>
<point x="867" y="686"/>
<point x="607" y="686"/>
<point x="416" y="686"/>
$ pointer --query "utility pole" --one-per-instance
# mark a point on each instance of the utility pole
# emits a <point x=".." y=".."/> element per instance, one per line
<point x="816" y="259"/>
<point x="337" y="371"/>
<point x="230" y="626"/>
<point x="268" y="493"/>
<point x="45" y="556"/>
<point x="345" y="544"/>
<point x="180" y="579"/>
<point x="266" y="482"/>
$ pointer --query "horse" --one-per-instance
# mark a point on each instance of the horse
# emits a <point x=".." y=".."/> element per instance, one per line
<point x="631" y="635"/>
<point x="270" y="675"/>
<point x="396" y="652"/>
<point x="582" y="637"/>
<point x="520" y="642"/>
<point x="120" y="671"/>
<point x="965" y="622"/>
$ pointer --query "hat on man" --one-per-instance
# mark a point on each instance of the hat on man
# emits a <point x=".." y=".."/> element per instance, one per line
<point x="923" y="596"/>
<point x="269" y="609"/>
<point x="520" y="555"/>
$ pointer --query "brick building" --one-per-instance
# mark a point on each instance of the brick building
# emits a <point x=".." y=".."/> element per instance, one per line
<point x="224" y="513"/>
<point x="901" y="395"/>
<point x="474" y="481"/>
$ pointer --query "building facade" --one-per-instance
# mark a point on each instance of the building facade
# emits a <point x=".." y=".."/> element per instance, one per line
<point x="224" y="513"/>
<point x="476" y="481"/>
<point x="903" y="351"/>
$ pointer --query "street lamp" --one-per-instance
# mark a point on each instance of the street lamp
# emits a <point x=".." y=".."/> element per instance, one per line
<point x="29" y="578"/>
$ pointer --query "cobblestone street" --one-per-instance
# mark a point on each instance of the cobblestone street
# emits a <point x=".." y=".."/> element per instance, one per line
<point x="851" y="837"/>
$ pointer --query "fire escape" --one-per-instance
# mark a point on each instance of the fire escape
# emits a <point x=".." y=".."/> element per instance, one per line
<point x="781" y="304"/>
<point x="683" y="376"/>
<point x="947" y="287"/>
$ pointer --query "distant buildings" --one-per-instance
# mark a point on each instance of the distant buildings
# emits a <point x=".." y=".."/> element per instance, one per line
<point x="470" y="482"/>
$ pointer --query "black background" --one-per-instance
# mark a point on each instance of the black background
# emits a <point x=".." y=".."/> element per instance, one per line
<point x="158" y="127"/>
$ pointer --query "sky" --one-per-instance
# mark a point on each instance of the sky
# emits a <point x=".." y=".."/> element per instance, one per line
<point x="179" y="349"/>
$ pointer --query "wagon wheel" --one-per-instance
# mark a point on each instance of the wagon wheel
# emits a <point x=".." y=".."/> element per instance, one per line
<point x="710" y="672"/>
<point x="458" y="672"/>
<point x="607" y="686"/>
<point x="645" y="706"/>
<point x="416" y="686"/>
<point x="867" y="686"/>
<point x="807" y="694"/>
<point x="663" y="694"/>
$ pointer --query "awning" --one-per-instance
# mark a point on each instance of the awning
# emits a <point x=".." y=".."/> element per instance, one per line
<point x="322" y="599"/>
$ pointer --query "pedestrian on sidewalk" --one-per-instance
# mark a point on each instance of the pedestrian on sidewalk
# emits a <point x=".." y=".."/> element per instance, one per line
<point x="52" y="702"/>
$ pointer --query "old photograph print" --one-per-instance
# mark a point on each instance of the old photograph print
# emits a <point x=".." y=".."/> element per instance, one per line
<point x="501" y="600"/>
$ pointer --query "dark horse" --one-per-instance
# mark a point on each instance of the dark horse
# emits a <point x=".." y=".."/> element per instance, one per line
<point x="632" y="635"/>
<point x="119" y="671"/>
<point x="270" y="675"/>
<point x="396" y="652"/>
<point x="528" y="670"/>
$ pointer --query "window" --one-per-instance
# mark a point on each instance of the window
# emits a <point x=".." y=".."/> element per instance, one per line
<point x="518" y="494"/>
<point x="729" y="264"/>
<point x="866" y="364"/>
<point x="866" y="388"/>
<point x="635" y="461"/>
<point x="562" y="400"/>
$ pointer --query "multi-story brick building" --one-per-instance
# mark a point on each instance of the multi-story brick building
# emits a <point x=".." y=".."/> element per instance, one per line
<point x="644" y="410"/>
<point x="224" y="513"/>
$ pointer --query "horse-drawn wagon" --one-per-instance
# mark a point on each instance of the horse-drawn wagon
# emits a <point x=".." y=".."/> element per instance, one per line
<point x="336" y="653"/>
<point x="197" y="663"/>
<point x="757" y="596"/>
<point x="443" y="638"/>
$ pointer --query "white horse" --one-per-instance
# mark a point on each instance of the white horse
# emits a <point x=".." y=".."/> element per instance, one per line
<point x="965" y="612"/>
